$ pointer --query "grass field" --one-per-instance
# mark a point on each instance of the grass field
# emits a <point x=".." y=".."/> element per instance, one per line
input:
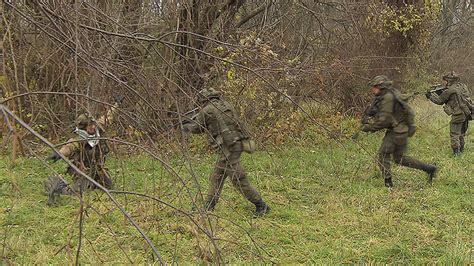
<point x="328" y="203"/>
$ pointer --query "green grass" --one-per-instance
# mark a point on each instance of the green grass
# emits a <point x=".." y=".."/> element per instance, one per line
<point x="328" y="203"/>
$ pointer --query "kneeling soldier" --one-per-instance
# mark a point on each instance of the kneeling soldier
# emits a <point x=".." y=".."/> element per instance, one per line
<point x="87" y="151"/>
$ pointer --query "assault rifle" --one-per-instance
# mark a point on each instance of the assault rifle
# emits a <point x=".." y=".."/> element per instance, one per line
<point x="369" y="112"/>
<point x="188" y="117"/>
<point x="438" y="89"/>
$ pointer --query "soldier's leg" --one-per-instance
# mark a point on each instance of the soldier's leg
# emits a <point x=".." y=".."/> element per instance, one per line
<point x="455" y="130"/>
<point x="103" y="178"/>
<point x="240" y="182"/>
<point x="464" y="128"/>
<point x="384" y="156"/>
<point x="55" y="186"/>
<point x="216" y="183"/>
<point x="400" y="158"/>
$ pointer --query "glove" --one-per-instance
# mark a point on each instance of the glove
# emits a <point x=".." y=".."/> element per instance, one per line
<point x="367" y="128"/>
<point x="428" y="95"/>
<point x="53" y="157"/>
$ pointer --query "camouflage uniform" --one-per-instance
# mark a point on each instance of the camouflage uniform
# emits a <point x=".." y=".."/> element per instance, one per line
<point x="451" y="100"/>
<point x="89" y="159"/>
<point x="390" y="116"/>
<point x="217" y="118"/>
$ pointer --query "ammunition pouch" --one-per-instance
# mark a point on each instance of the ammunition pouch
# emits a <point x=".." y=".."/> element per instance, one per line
<point x="448" y="109"/>
<point x="249" y="145"/>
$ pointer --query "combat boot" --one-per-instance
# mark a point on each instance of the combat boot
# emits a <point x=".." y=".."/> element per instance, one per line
<point x="388" y="182"/>
<point x="261" y="208"/>
<point x="53" y="187"/>
<point x="456" y="151"/>
<point x="210" y="205"/>
<point x="431" y="173"/>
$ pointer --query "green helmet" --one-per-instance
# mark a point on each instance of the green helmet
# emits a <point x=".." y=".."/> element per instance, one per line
<point x="82" y="121"/>
<point x="207" y="94"/>
<point x="451" y="76"/>
<point x="381" y="81"/>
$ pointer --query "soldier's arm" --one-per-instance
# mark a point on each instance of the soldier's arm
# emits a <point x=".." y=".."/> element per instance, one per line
<point x="68" y="149"/>
<point x="384" y="116"/>
<point x="198" y="125"/>
<point x="443" y="97"/>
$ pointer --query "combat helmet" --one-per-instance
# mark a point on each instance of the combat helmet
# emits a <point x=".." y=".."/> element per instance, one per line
<point x="82" y="121"/>
<point x="381" y="81"/>
<point x="207" y="94"/>
<point x="451" y="77"/>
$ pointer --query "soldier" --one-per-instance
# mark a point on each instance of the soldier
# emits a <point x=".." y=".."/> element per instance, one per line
<point x="217" y="118"/>
<point x="87" y="152"/>
<point x="393" y="114"/>
<point x="456" y="102"/>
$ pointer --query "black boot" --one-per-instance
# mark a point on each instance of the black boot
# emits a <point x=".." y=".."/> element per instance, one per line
<point x="53" y="187"/>
<point x="210" y="205"/>
<point x="431" y="173"/>
<point x="457" y="151"/>
<point x="261" y="208"/>
<point x="388" y="182"/>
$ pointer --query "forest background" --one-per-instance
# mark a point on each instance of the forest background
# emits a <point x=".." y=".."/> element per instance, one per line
<point x="286" y="65"/>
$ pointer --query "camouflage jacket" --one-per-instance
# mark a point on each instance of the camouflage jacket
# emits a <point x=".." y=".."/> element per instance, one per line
<point x="452" y="101"/>
<point x="218" y="119"/>
<point x="389" y="113"/>
<point x="87" y="158"/>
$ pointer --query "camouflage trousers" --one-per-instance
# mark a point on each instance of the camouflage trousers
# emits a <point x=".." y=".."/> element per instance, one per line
<point x="101" y="176"/>
<point x="457" y="132"/>
<point x="395" y="145"/>
<point x="229" y="166"/>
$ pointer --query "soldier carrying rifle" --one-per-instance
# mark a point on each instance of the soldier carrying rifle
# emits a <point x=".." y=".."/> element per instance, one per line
<point x="457" y="104"/>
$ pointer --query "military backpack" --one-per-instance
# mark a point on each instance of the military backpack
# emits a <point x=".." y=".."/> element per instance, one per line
<point x="408" y="113"/>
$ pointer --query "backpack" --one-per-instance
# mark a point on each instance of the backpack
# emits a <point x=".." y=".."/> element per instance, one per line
<point x="407" y="112"/>
<point x="465" y="102"/>
<point x="237" y="134"/>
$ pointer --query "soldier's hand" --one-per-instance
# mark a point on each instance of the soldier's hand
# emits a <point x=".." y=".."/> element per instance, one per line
<point x="367" y="128"/>
<point x="53" y="157"/>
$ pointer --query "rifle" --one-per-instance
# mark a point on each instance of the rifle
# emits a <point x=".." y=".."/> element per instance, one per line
<point x="369" y="112"/>
<point x="438" y="89"/>
<point x="187" y="118"/>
